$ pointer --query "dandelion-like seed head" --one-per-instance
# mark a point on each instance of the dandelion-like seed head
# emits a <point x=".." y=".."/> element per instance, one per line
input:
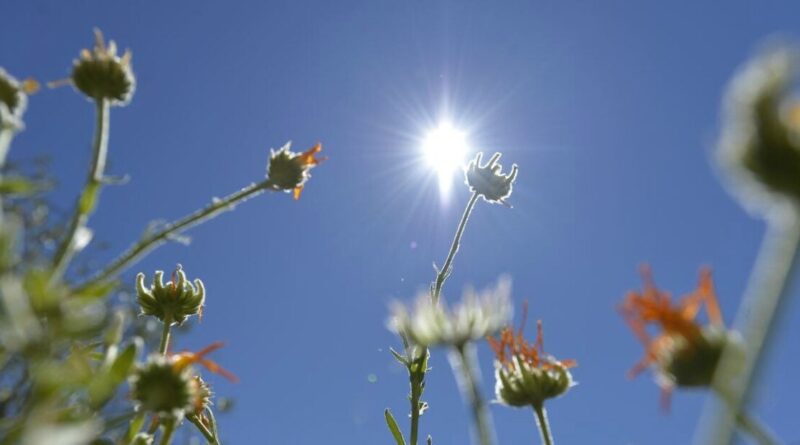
<point x="102" y="75"/>
<point x="525" y="375"/>
<point x="488" y="181"/>
<point x="475" y="317"/>
<point x="14" y="99"/>
<point x="760" y="142"/>
<point x="175" y="301"/>
<point x="682" y="353"/>
<point x="289" y="171"/>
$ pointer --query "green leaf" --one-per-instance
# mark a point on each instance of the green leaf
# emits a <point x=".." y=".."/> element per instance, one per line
<point x="395" y="430"/>
<point x="96" y="291"/>
<point x="15" y="185"/>
<point x="103" y="387"/>
<point x="398" y="357"/>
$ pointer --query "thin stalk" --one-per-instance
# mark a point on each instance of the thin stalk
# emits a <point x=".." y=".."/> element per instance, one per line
<point x="164" y="345"/>
<point x="417" y="377"/>
<point x="765" y="292"/>
<point x="6" y="136"/>
<point x="169" y="430"/>
<point x="152" y="240"/>
<point x="134" y="427"/>
<point x="464" y="365"/>
<point x="757" y="430"/>
<point x="543" y="424"/>
<point x="90" y="194"/>
<point x="203" y="430"/>
<point x="444" y="272"/>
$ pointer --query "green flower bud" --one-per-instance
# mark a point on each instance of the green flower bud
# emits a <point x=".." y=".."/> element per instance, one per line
<point x="172" y="302"/>
<point x="14" y="99"/>
<point x="160" y="387"/>
<point x="521" y="383"/>
<point x="691" y="364"/>
<point x="760" y="142"/>
<point x="487" y="181"/>
<point x="289" y="171"/>
<point x="101" y="74"/>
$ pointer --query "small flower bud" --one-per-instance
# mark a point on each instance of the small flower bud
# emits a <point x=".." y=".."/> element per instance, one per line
<point x="101" y="74"/>
<point x="172" y="302"/>
<point x="288" y="170"/>
<point x="691" y="364"/>
<point x="760" y="142"/>
<point x="160" y="387"/>
<point x="202" y="399"/>
<point x="524" y="384"/>
<point x="14" y="99"/>
<point x="488" y="181"/>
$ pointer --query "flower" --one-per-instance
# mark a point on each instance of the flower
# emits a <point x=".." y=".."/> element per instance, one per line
<point x="760" y="142"/>
<point x="102" y="75"/>
<point x="683" y="353"/>
<point x="169" y="385"/>
<point x="288" y="170"/>
<point x="14" y="99"/>
<point x="487" y="181"/>
<point x="525" y="375"/>
<point x="175" y="301"/>
<point x="432" y="324"/>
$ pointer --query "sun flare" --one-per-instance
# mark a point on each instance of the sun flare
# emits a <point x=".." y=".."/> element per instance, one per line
<point x="445" y="149"/>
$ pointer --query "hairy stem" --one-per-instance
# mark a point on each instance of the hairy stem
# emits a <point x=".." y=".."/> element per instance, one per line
<point x="165" y="333"/>
<point x="766" y="291"/>
<point x="464" y="364"/>
<point x="152" y="240"/>
<point x="416" y="374"/>
<point x="543" y="424"/>
<point x="87" y="202"/>
<point x="444" y="272"/>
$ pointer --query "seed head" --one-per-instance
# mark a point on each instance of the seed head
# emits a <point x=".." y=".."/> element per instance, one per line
<point x="488" y="181"/>
<point x="100" y="74"/>
<point x="175" y="301"/>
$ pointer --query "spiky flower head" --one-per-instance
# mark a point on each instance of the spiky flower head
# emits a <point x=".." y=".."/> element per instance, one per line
<point x="525" y="375"/>
<point x="172" y="302"/>
<point x="760" y="142"/>
<point x="488" y="181"/>
<point x="14" y="99"/>
<point x="475" y="317"/>
<point x="684" y="353"/>
<point x="102" y="75"/>
<point x="289" y="171"/>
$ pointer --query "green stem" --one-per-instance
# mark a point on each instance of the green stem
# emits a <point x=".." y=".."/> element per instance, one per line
<point x="766" y="291"/>
<point x="543" y="424"/>
<point x="164" y="345"/>
<point x="152" y="240"/>
<point x="444" y="272"/>
<point x="134" y="427"/>
<point x="758" y="431"/>
<point x="6" y="136"/>
<point x="203" y="430"/>
<point x="417" y="377"/>
<point x="464" y="366"/>
<point x="169" y="430"/>
<point x="90" y="194"/>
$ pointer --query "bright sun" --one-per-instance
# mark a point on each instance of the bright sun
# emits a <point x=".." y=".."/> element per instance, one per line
<point x="445" y="148"/>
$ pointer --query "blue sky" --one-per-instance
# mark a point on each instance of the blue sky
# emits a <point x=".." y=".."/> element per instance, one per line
<point x="610" y="112"/>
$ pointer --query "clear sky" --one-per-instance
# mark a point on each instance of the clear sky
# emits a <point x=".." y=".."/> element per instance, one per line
<point x="610" y="109"/>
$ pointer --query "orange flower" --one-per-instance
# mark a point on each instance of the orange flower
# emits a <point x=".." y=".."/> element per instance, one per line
<point x="682" y="352"/>
<point x="289" y="171"/>
<point x="184" y="359"/>
<point x="525" y="374"/>
<point x="308" y="159"/>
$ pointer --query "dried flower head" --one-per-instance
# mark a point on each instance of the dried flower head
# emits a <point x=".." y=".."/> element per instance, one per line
<point x="172" y="302"/>
<point x="760" y="142"/>
<point x="682" y="353"/>
<point x="102" y="75"/>
<point x="14" y="99"/>
<point x="432" y="324"/>
<point x="488" y="181"/>
<point x="525" y="375"/>
<point x="289" y="171"/>
<point x="169" y="385"/>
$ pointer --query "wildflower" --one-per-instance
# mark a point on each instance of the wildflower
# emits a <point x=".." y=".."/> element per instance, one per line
<point x="14" y="99"/>
<point x="683" y="353"/>
<point x="487" y="181"/>
<point x="102" y="75"/>
<point x="432" y="324"/>
<point x="175" y="301"/>
<point x="288" y="170"/>
<point x="169" y="385"/>
<point x="525" y="375"/>
<point x="760" y="142"/>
